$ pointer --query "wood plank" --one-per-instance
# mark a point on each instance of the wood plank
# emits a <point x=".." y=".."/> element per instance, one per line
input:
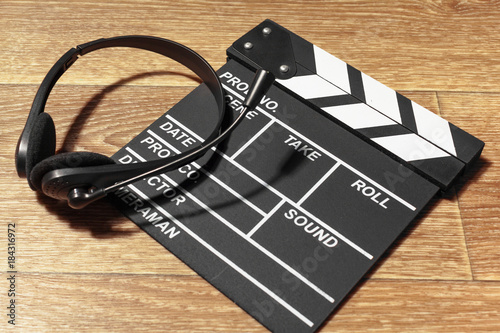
<point x="478" y="193"/>
<point x="416" y="45"/>
<point x="432" y="248"/>
<point x="423" y="306"/>
<point x="128" y="302"/>
<point x="124" y="303"/>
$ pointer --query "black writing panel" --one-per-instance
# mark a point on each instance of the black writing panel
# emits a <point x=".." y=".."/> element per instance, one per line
<point x="285" y="216"/>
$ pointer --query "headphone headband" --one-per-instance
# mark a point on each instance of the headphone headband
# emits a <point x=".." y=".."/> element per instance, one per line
<point x="82" y="185"/>
<point x="168" y="48"/>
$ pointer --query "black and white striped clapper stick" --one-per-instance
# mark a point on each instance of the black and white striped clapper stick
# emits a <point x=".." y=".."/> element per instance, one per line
<point x="430" y="145"/>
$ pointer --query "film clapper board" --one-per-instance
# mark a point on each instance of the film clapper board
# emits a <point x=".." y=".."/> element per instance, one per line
<point x="288" y="214"/>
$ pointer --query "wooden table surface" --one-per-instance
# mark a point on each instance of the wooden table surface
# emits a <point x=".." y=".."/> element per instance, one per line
<point x="94" y="270"/>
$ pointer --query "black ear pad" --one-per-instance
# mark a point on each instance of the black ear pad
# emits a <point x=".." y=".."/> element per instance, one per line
<point x="42" y="142"/>
<point x="66" y="160"/>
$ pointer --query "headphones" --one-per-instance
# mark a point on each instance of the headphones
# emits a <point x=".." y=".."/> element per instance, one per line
<point x="83" y="177"/>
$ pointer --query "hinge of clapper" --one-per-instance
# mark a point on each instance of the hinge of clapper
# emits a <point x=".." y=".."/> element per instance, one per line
<point x="266" y="46"/>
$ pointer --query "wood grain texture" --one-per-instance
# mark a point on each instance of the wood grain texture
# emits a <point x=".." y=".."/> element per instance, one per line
<point x="94" y="270"/>
<point x="158" y="303"/>
<point x="479" y="195"/>
<point x="409" y="45"/>
<point x="420" y="306"/>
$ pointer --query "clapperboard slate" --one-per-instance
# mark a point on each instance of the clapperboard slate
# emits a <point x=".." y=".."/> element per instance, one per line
<point x="288" y="214"/>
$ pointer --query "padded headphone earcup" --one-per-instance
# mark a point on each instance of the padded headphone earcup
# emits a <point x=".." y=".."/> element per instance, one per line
<point x="42" y="142"/>
<point x="66" y="160"/>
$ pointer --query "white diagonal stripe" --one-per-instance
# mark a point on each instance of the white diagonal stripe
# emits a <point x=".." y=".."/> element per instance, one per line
<point x="410" y="147"/>
<point x="433" y="128"/>
<point x="332" y="69"/>
<point x="323" y="150"/>
<point x="381" y="98"/>
<point x="311" y="86"/>
<point x="358" y="115"/>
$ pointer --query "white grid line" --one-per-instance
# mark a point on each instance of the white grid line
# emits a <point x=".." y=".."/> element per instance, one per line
<point x="264" y="220"/>
<point x="224" y="258"/>
<point x="318" y="183"/>
<point x="249" y="142"/>
<point x="282" y="196"/>
<point x="217" y="180"/>
<point x="240" y="233"/>
<point x="326" y="152"/>
<point x="291" y="202"/>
